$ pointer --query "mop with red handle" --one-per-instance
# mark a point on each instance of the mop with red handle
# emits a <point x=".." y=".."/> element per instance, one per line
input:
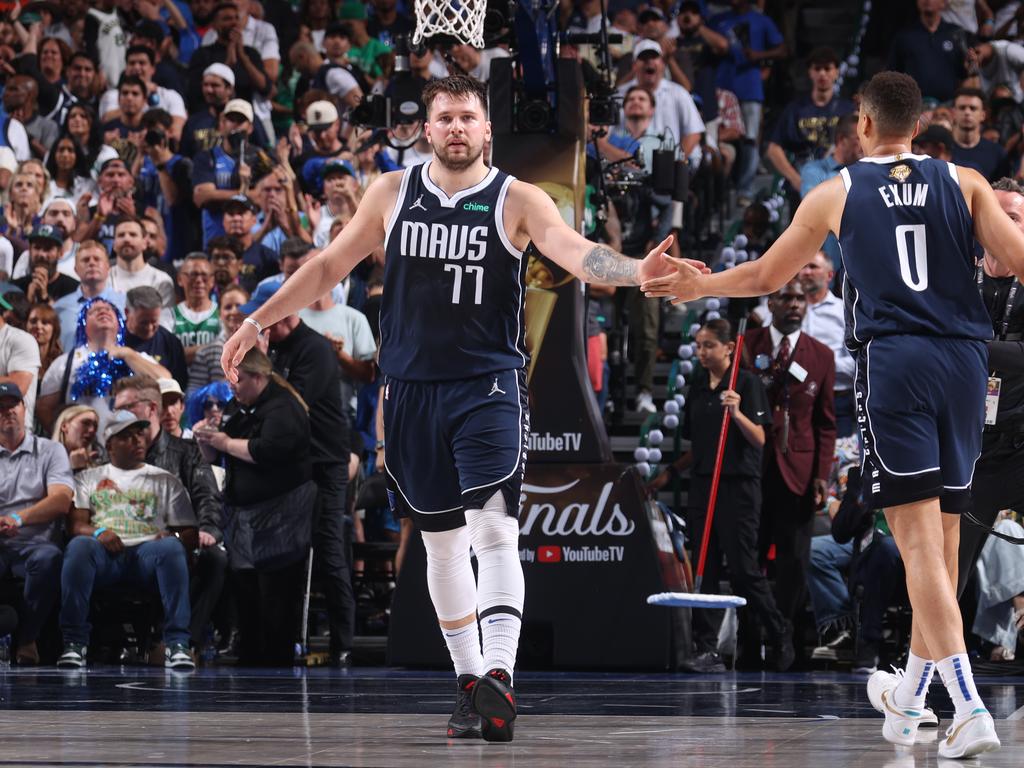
<point x="695" y="599"/>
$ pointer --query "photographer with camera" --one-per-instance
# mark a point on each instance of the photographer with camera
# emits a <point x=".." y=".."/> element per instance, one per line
<point x="165" y="178"/>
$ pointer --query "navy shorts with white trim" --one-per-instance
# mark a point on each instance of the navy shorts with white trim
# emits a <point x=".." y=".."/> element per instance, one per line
<point x="450" y="445"/>
<point x="921" y="411"/>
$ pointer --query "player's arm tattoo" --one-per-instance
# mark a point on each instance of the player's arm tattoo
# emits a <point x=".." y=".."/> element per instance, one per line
<point x="603" y="265"/>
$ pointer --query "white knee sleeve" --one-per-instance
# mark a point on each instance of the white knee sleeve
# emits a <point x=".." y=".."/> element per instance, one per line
<point x="450" y="574"/>
<point x="495" y="538"/>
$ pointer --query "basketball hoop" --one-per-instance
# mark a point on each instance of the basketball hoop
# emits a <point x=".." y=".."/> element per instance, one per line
<point x="462" y="20"/>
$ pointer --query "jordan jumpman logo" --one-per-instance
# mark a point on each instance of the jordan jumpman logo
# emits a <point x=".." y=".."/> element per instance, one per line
<point x="495" y="389"/>
<point x="418" y="204"/>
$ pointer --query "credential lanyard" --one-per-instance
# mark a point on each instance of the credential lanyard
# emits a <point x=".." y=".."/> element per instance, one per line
<point x="1004" y="326"/>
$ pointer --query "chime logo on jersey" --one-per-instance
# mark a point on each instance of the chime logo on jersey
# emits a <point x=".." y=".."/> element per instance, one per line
<point x="451" y="242"/>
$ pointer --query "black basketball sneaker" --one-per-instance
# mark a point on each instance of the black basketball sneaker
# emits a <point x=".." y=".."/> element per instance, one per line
<point x="464" y="722"/>
<point x="495" y="702"/>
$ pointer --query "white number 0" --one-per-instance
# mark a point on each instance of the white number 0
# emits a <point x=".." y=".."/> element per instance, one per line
<point x="920" y="255"/>
<point x="478" y="294"/>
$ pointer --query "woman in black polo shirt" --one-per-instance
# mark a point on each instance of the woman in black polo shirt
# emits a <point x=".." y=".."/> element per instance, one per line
<point x="738" y="506"/>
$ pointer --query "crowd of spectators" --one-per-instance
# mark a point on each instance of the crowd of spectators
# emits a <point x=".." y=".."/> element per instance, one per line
<point x="165" y="165"/>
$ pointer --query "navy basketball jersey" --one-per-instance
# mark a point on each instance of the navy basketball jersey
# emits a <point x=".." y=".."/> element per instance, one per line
<point x="907" y="243"/>
<point x="454" y="284"/>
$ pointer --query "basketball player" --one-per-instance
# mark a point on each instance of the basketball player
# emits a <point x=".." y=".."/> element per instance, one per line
<point x="906" y="224"/>
<point x="455" y="401"/>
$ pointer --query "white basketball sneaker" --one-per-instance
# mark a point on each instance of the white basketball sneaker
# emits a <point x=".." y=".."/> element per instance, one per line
<point x="970" y="736"/>
<point x="901" y="723"/>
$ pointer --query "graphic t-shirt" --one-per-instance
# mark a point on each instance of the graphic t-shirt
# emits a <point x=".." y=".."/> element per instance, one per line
<point x="136" y="504"/>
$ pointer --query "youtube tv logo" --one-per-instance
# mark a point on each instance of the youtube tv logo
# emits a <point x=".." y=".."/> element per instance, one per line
<point x="549" y="554"/>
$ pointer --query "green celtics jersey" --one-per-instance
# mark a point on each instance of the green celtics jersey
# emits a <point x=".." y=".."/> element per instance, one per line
<point x="196" y="328"/>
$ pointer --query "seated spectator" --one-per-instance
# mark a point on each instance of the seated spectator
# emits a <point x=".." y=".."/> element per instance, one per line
<point x="196" y="320"/>
<point x="133" y="526"/>
<point x="68" y="165"/>
<point x="294" y="253"/>
<point x="228" y="269"/>
<point x="386" y="22"/>
<point x="35" y="497"/>
<point x="172" y="408"/>
<point x="76" y="429"/>
<point x="144" y="397"/>
<point x="145" y="331"/>
<point x="269" y="497"/>
<point x="122" y="130"/>
<point x="999" y="620"/>
<point x="226" y="170"/>
<point x="82" y="125"/>
<point x="45" y="283"/>
<point x="971" y="149"/>
<point x="340" y="199"/>
<point x="44" y="326"/>
<point x="325" y="127"/>
<point x="19" y="363"/>
<point x="201" y="131"/>
<point x="999" y="63"/>
<point x="25" y="201"/>
<point x="21" y="102"/>
<point x="278" y="217"/>
<point x="240" y="223"/>
<point x="116" y="201"/>
<point x="14" y="131"/>
<point x="367" y="53"/>
<point x="205" y="367"/>
<point x="205" y="406"/>
<point x="85" y="373"/>
<point x="92" y="266"/>
<point x="131" y="269"/>
<point x="323" y="75"/>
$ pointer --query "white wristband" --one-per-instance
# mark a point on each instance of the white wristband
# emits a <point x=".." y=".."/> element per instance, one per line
<point x="254" y="323"/>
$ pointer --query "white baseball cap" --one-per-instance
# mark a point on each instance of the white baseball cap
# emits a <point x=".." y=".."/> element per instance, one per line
<point x="239" y="107"/>
<point x="223" y="71"/>
<point x="645" y="45"/>
<point x="321" y="114"/>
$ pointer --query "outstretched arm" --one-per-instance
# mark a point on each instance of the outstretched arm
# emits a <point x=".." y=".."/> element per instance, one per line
<point x="538" y="220"/>
<point x="995" y="230"/>
<point x="321" y="273"/>
<point x="817" y="215"/>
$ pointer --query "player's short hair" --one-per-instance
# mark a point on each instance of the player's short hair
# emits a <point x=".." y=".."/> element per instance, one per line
<point x="1006" y="184"/>
<point x="822" y="56"/>
<point x="893" y="101"/>
<point x="457" y="86"/>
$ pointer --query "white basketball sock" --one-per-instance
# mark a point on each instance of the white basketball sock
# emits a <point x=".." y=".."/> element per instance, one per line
<point x="955" y="672"/>
<point x="913" y="688"/>
<point x="464" y="646"/>
<point x="500" y="588"/>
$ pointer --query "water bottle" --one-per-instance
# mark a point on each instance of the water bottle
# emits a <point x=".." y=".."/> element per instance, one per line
<point x="5" y="652"/>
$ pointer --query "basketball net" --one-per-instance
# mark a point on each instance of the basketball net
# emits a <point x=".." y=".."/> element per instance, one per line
<point x="459" y="19"/>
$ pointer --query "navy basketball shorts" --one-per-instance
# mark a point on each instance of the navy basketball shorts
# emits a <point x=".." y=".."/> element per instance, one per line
<point x="921" y="411"/>
<point x="450" y="445"/>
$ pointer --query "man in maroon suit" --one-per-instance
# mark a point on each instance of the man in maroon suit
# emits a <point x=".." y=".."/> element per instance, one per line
<point x="799" y="373"/>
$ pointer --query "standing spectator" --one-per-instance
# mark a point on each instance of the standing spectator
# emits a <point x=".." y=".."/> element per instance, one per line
<point x="323" y="75"/>
<point x="25" y="198"/>
<point x="476" y="62"/>
<point x="309" y="363"/>
<point x="268" y="491"/>
<point x="807" y="125"/>
<point x="324" y="126"/>
<point x="124" y="129"/>
<point x="131" y="270"/>
<point x="999" y="62"/>
<point x="12" y="129"/>
<point x="145" y="332"/>
<point x="183" y="459"/>
<point x="86" y="372"/>
<point x="931" y="51"/>
<point x="224" y="44"/>
<point x="753" y="40"/>
<point x="386" y="22"/>
<point x="81" y="86"/>
<point x="44" y="326"/>
<point x="68" y="165"/>
<point x="82" y="125"/>
<point x="116" y="201"/>
<point x="196" y="321"/>
<point x="132" y="525"/>
<point x="165" y="179"/>
<point x="19" y="363"/>
<point x="240" y="223"/>
<point x="826" y="321"/>
<point x="92" y="265"/>
<point x="340" y="201"/>
<point x="799" y="374"/>
<point x="366" y="52"/>
<point x="140" y="62"/>
<point x="278" y="218"/>
<point x="224" y="171"/>
<point x="35" y="497"/>
<point x="205" y="367"/>
<point x="698" y="48"/>
<point x="45" y="283"/>
<point x="201" y="131"/>
<point x="106" y="39"/>
<point x="971" y="149"/>
<point x="675" y="114"/>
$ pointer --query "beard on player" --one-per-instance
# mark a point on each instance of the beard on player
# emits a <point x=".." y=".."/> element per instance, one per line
<point x="457" y="154"/>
